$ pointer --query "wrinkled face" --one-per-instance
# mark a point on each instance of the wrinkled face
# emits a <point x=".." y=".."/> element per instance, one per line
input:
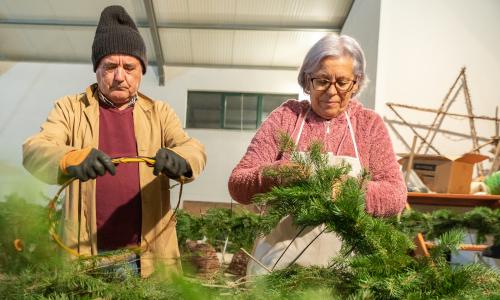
<point x="118" y="77"/>
<point x="332" y="101"/>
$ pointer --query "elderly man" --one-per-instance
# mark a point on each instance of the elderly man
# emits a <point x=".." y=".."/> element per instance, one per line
<point x="126" y="205"/>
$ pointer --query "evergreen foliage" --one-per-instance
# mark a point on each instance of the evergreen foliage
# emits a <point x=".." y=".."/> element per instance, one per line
<point x="216" y="224"/>
<point x="493" y="183"/>
<point x="381" y="266"/>
<point x="24" y="242"/>
<point x="483" y="219"/>
<point x="73" y="282"/>
<point x="375" y="260"/>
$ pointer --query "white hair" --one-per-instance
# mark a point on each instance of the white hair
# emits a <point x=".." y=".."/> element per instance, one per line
<point x="336" y="47"/>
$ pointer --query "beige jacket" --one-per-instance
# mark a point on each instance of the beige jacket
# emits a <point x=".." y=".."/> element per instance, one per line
<point x="74" y="124"/>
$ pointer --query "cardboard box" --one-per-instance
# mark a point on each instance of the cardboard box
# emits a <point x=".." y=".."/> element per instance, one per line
<point x="445" y="174"/>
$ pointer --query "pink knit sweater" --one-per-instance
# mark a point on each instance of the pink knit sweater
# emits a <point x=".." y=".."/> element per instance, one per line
<point x="386" y="192"/>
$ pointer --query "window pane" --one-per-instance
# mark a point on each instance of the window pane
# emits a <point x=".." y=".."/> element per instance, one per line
<point x="203" y="110"/>
<point x="271" y="102"/>
<point x="231" y="110"/>
<point x="241" y="112"/>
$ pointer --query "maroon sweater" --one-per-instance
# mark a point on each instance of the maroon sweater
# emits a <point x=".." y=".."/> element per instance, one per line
<point x="118" y="198"/>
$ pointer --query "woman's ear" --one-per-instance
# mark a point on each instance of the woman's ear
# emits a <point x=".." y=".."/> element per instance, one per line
<point x="355" y="88"/>
<point x="307" y="88"/>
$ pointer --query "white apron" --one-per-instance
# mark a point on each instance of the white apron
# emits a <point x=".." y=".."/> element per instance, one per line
<point x="320" y="246"/>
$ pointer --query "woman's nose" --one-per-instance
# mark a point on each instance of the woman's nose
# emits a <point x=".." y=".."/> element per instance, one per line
<point x="332" y="90"/>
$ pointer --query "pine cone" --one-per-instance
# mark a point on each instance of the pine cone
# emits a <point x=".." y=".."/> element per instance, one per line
<point x="203" y="257"/>
<point x="238" y="265"/>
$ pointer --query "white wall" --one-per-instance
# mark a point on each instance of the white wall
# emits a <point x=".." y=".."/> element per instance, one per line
<point x="363" y="25"/>
<point x="423" y="44"/>
<point x="28" y="93"/>
<point x="29" y="90"/>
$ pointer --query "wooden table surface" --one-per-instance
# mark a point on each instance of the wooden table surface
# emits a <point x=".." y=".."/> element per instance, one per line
<point x="464" y="200"/>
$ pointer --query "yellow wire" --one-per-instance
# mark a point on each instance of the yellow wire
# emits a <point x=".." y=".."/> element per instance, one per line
<point x="125" y="160"/>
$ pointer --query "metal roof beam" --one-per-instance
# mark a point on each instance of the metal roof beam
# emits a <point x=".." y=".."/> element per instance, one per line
<point x="167" y="64"/>
<point x="188" y="65"/>
<point x="250" y="27"/>
<point x="236" y="66"/>
<point x="160" y="60"/>
<point x="51" y="23"/>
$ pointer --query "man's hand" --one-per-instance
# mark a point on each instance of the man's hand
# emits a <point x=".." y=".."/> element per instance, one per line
<point x="86" y="164"/>
<point x="171" y="164"/>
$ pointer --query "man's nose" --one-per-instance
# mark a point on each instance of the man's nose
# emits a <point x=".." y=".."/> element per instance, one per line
<point x="119" y="74"/>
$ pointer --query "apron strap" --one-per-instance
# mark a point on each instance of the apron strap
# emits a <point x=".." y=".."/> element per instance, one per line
<point x="352" y="136"/>
<point x="297" y="139"/>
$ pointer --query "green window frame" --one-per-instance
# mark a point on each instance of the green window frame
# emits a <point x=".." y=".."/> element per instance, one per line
<point x="231" y="110"/>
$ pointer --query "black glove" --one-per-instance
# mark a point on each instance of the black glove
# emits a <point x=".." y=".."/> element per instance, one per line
<point x="492" y="251"/>
<point x="95" y="164"/>
<point x="171" y="164"/>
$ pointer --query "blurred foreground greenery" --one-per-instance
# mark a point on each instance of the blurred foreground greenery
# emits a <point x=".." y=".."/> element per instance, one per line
<point x="34" y="268"/>
<point x="376" y="260"/>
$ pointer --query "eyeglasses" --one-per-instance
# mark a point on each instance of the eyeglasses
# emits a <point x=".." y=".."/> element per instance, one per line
<point x="342" y="85"/>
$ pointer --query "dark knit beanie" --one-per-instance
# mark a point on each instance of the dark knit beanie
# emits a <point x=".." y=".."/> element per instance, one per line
<point x="116" y="33"/>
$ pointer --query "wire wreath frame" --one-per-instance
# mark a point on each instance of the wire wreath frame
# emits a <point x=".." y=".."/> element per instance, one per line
<point x="56" y="201"/>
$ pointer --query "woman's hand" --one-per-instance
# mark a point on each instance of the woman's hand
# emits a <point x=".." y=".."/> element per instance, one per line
<point x="337" y="185"/>
<point x="287" y="173"/>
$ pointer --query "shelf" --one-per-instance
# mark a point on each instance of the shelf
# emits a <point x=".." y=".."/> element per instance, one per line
<point x="463" y="200"/>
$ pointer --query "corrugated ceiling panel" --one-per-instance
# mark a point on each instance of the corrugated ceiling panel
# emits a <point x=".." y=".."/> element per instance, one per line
<point x="66" y="10"/>
<point x="176" y="45"/>
<point x="171" y="11"/>
<point x="254" y="48"/>
<point x="15" y="44"/>
<point x="327" y="13"/>
<point x="146" y="36"/>
<point x="240" y="48"/>
<point x="35" y="44"/>
<point x="340" y="11"/>
<point x="72" y="44"/>
<point x="211" y="11"/>
<point x="69" y="43"/>
<point x="322" y="13"/>
<point x="23" y="9"/>
<point x="260" y="12"/>
<point x="195" y="11"/>
<point x="180" y="46"/>
<point x="291" y="47"/>
<point x="80" y="41"/>
<point x="51" y="44"/>
<point x="212" y="46"/>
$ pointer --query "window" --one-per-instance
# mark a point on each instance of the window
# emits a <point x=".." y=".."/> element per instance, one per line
<point x="231" y="110"/>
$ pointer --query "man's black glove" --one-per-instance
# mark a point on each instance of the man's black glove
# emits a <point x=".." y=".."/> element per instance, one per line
<point x="492" y="251"/>
<point x="87" y="164"/>
<point x="171" y="164"/>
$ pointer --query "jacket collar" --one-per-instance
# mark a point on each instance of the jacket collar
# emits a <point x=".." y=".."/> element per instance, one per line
<point x="92" y="100"/>
<point x="144" y="102"/>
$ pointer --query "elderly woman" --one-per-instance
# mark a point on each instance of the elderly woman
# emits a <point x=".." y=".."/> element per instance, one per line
<point x="333" y="73"/>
